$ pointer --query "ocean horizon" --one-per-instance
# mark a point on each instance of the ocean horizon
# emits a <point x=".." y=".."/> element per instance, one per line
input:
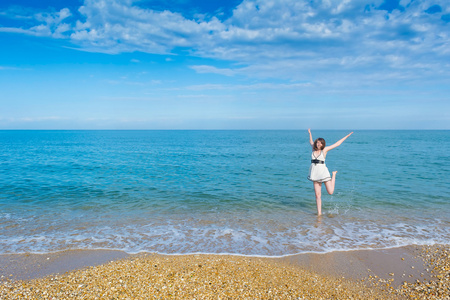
<point x="239" y="192"/>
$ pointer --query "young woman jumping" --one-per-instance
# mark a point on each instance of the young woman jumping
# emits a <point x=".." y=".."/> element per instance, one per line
<point x="318" y="171"/>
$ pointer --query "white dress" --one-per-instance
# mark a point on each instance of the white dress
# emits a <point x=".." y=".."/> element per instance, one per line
<point x="318" y="171"/>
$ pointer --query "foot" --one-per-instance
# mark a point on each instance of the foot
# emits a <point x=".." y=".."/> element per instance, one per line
<point x="334" y="173"/>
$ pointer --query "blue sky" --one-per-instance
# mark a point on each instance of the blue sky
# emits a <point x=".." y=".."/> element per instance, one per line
<point x="181" y="64"/>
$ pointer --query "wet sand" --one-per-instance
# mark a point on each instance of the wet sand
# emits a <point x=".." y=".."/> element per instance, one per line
<point x="363" y="274"/>
<point x="30" y="266"/>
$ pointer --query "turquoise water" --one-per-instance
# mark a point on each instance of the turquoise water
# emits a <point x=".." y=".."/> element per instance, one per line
<point x="240" y="192"/>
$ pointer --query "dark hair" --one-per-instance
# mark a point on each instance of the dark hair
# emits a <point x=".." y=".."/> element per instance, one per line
<point x="315" y="144"/>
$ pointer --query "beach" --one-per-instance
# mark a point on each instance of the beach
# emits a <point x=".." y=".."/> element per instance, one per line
<point x="221" y="214"/>
<point x="413" y="272"/>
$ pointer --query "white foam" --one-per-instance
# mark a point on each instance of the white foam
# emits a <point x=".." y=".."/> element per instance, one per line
<point x="286" y="235"/>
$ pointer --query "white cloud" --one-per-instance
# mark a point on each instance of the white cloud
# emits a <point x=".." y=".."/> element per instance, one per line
<point x="34" y="119"/>
<point x="50" y="24"/>
<point x="211" y="69"/>
<point x="117" y="26"/>
<point x="13" y="68"/>
<point x="257" y="86"/>
<point x="290" y="39"/>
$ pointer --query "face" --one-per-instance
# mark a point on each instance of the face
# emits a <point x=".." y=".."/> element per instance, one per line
<point x="319" y="145"/>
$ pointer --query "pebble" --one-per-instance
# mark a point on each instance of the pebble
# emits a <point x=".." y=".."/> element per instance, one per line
<point x="154" y="276"/>
<point x="437" y="259"/>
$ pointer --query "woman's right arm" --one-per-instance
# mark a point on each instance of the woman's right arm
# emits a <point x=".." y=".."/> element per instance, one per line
<point x="311" y="141"/>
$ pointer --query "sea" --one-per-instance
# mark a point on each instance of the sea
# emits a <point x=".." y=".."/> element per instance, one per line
<point x="220" y="192"/>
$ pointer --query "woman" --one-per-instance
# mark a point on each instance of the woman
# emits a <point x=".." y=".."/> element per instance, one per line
<point x="318" y="171"/>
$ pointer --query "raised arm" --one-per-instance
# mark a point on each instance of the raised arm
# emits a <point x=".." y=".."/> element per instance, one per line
<point x="338" y="143"/>
<point x="311" y="141"/>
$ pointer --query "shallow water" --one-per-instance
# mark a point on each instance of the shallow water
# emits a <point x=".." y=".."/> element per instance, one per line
<point x="241" y="192"/>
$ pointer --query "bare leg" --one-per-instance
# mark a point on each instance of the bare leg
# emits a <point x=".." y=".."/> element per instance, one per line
<point x="330" y="184"/>
<point x="318" y="192"/>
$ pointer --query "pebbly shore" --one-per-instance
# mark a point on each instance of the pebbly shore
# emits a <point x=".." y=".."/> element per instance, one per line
<point x="153" y="276"/>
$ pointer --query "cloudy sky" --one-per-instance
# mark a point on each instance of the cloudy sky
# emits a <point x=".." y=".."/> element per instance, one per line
<point x="191" y="64"/>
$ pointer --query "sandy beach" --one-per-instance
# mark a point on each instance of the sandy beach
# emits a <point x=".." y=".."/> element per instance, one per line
<point x="413" y="272"/>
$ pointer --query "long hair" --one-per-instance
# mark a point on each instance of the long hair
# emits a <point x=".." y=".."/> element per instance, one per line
<point x="315" y="144"/>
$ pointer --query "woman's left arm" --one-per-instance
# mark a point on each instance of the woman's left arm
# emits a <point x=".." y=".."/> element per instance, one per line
<point x="310" y="138"/>
<point x="337" y="144"/>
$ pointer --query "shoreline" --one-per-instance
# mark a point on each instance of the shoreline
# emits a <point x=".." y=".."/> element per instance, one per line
<point x="364" y="274"/>
<point x="353" y="264"/>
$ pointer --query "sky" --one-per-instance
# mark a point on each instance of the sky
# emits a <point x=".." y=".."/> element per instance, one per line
<point x="191" y="64"/>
